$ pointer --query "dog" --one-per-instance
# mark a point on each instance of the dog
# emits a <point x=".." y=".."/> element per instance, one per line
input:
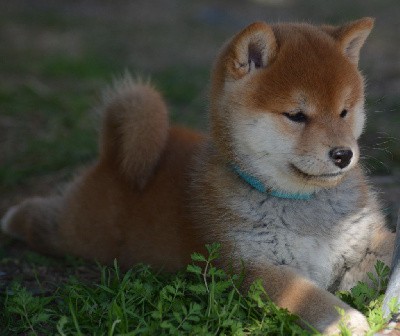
<point x="277" y="180"/>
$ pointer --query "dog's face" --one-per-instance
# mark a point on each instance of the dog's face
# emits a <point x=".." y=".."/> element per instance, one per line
<point x="287" y="103"/>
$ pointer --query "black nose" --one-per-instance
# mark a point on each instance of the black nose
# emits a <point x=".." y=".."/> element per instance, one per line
<point x="341" y="157"/>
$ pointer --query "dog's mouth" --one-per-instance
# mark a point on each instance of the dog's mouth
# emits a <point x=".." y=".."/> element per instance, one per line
<point x="305" y="175"/>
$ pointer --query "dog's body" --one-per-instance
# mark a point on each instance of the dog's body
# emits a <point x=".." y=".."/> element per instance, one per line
<point x="277" y="183"/>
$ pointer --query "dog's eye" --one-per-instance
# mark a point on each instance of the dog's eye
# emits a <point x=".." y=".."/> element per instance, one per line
<point x="298" y="117"/>
<point x="343" y="113"/>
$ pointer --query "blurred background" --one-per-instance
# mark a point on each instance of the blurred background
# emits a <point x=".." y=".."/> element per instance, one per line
<point x="56" y="56"/>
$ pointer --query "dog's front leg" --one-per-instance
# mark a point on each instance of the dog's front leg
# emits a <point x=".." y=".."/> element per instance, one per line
<point x="381" y="247"/>
<point x="302" y="297"/>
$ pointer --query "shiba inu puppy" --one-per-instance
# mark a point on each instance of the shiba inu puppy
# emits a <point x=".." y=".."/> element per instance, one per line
<point x="277" y="181"/>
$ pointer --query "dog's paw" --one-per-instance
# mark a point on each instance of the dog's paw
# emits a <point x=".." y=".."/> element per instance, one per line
<point x="392" y="328"/>
<point x="353" y="320"/>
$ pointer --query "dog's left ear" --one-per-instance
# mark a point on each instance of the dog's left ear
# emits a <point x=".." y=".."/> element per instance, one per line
<point x="351" y="36"/>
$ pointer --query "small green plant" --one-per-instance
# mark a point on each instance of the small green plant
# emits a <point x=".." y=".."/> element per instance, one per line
<point x="202" y="300"/>
<point x="367" y="298"/>
<point x="24" y="312"/>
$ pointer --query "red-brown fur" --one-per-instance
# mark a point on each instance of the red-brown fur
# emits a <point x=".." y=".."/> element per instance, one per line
<point x="126" y="220"/>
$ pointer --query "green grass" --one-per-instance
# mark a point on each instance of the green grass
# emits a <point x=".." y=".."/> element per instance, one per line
<point x="203" y="300"/>
<point x="185" y="91"/>
<point x="88" y="67"/>
<point x="59" y="134"/>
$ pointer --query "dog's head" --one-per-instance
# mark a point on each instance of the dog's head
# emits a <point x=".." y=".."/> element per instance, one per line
<point x="287" y="102"/>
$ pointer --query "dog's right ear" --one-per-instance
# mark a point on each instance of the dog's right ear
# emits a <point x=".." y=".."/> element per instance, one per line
<point x="251" y="49"/>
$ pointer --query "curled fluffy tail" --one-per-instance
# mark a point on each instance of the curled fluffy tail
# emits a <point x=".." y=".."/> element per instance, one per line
<point x="135" y="129"/>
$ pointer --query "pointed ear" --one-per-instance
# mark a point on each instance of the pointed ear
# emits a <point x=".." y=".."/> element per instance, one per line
<point x="351" y="36"/>
<point x="250" y="50"/>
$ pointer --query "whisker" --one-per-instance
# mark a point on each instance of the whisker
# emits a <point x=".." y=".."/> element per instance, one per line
<point x="365" y="156"/>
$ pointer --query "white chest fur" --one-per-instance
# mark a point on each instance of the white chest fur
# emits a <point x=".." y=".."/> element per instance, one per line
<point x="320" y="238"/>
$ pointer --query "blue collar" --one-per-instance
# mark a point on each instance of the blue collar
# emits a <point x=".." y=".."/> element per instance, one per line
<point x="258" y="185"/>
